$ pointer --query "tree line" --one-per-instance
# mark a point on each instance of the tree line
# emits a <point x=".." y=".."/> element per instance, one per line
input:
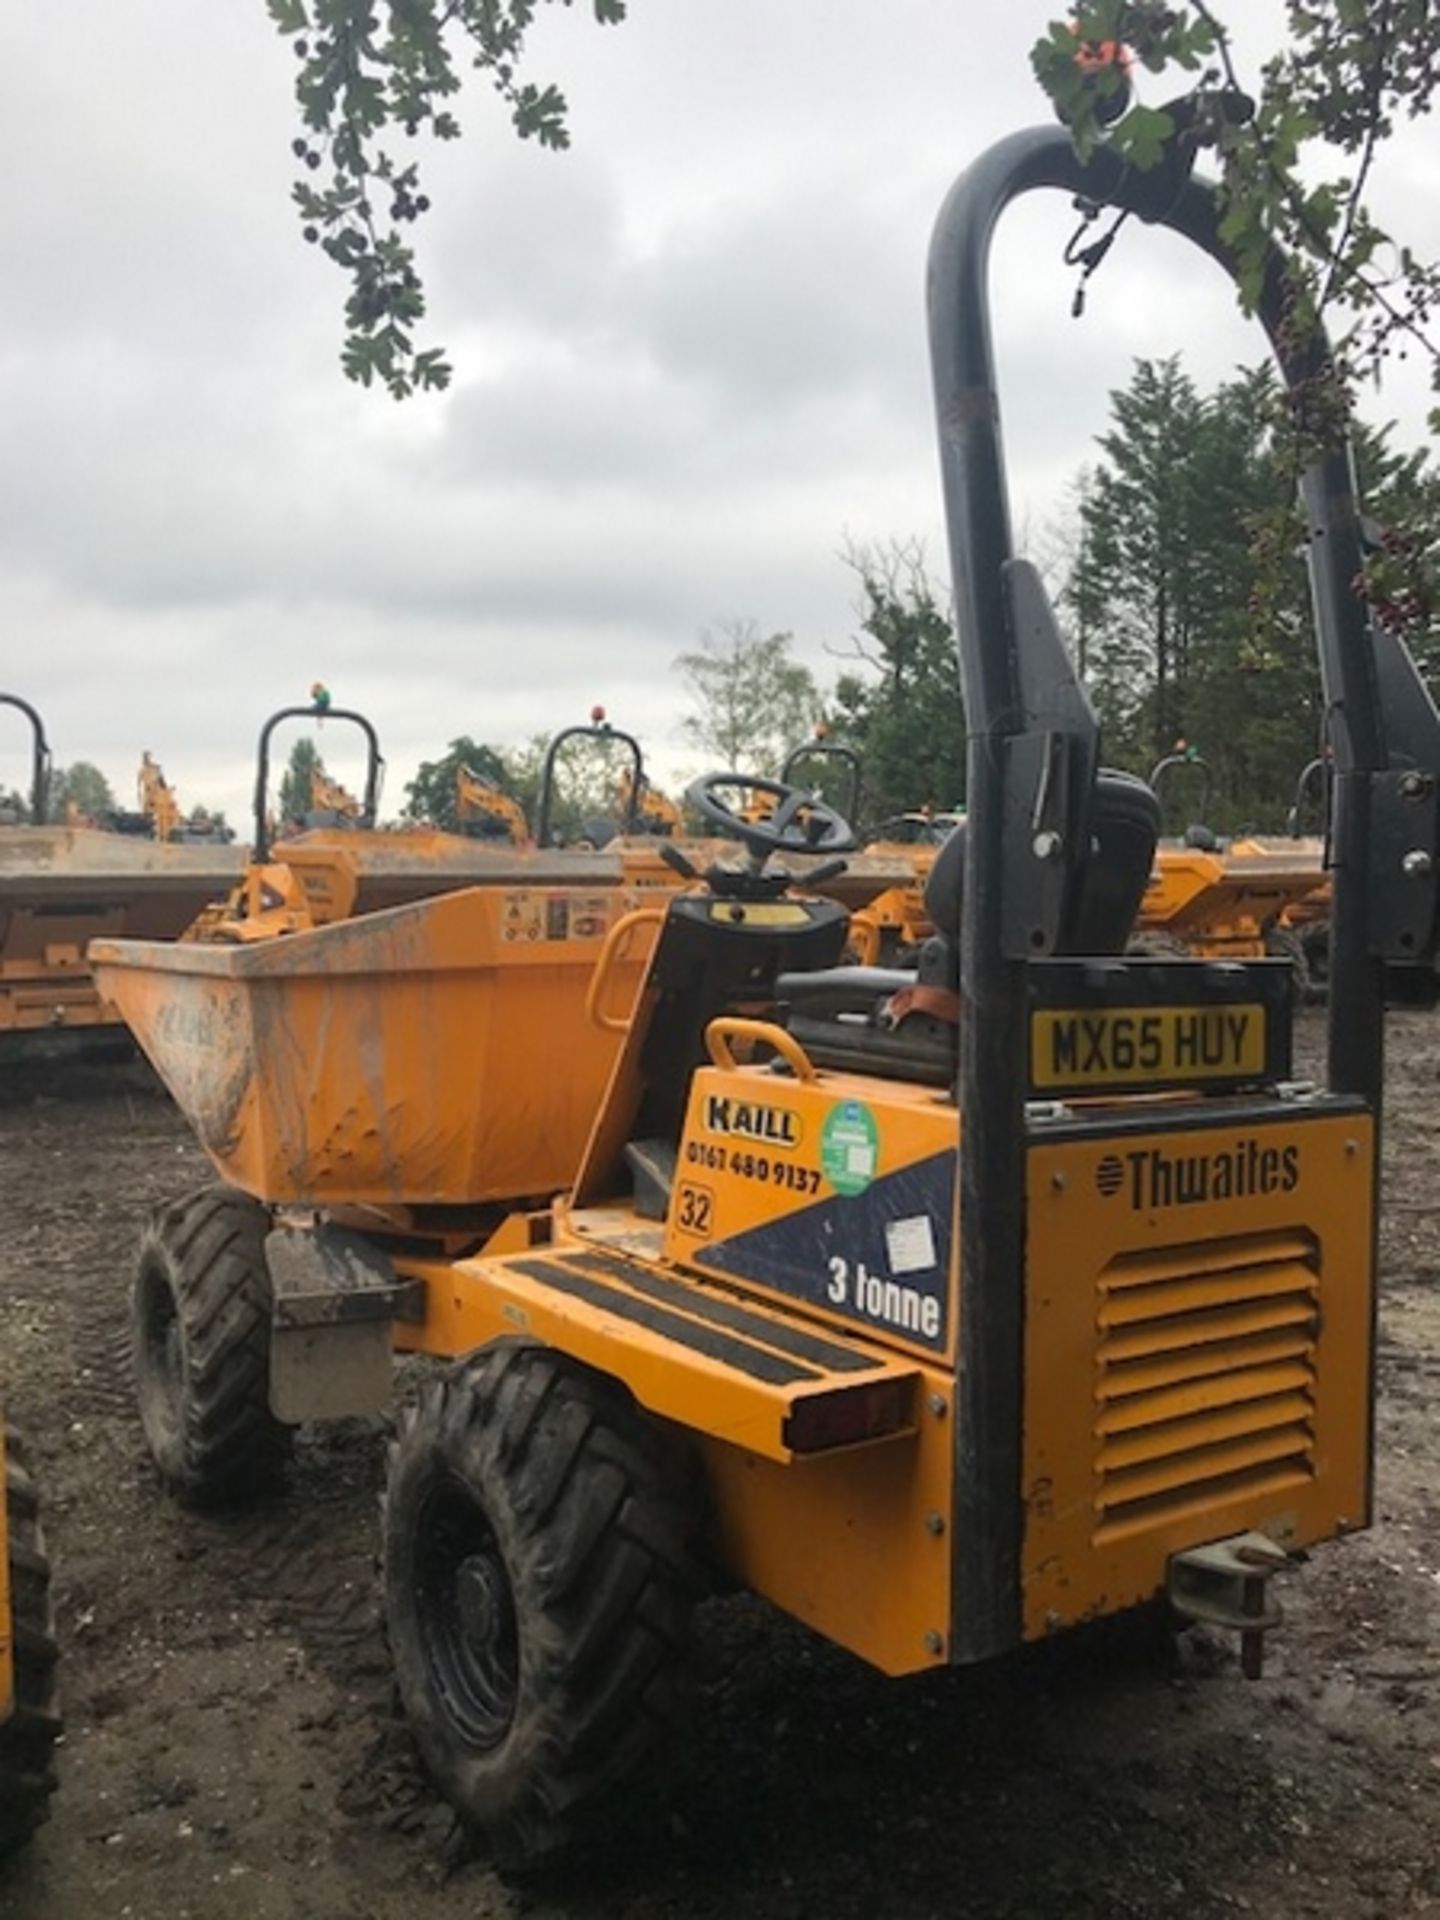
<point x="1177" y="570"/>
<point x="81" y="793"/>
<point x="1182" y="579"/>
<point x="1178" y="573"/>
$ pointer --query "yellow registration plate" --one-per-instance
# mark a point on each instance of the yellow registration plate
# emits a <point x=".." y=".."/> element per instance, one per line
<point x="1130" y="1046"/>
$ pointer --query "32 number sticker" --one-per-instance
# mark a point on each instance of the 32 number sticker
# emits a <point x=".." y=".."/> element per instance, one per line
<point x="693" y="1209"/>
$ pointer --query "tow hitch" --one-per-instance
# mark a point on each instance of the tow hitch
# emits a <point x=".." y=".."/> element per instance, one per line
<point x="1227" y="1584"/>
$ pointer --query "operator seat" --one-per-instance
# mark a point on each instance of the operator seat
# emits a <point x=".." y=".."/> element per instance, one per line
<point x="905" y="1023"/>
<point x="1113" y="823"/>
<point x="1124" y="832"/>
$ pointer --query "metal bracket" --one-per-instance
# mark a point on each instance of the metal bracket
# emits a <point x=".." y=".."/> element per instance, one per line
<point x="1227" y="1584"/>
<point x="1037" y="854"/>
<point x="336" y="1297"/>
<point x="1404" y="864"/>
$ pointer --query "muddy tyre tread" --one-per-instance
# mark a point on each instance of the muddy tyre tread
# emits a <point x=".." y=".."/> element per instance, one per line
<point x="28" y="1737"/>
<point x="1315" y="945"/>
<point x="225" y="1445"/>
<point x="1154" y="943"/>
<point x="596" y="1512"/>
<point x="1284" y="943"/>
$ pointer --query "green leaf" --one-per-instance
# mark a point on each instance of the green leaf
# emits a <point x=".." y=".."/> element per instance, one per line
<point x="1321" y="209"/>
<point x="348" y="247"/>
<point x="1142" y="136"/>
<point x="432" y="370"/>
<point x="357" y="358"/>
<point x="1197" y="39"/>
<point x="540" y="114"/>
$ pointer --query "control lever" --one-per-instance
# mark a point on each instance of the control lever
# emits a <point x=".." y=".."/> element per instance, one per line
<point x="677" y="861"/>
<point x="827" y="870"/>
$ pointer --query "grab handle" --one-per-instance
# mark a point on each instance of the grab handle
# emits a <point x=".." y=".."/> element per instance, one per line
<point x="615" y="940"/>
<point x="728" y="1027"/>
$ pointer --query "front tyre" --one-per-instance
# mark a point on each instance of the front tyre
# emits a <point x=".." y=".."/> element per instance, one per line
<point x="538" y="1587"/>
<point x="30" y="1731"/>
<point x="200" y="1337"/>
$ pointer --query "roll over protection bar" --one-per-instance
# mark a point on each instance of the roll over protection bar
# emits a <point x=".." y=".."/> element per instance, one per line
<point x="828" y="750"/>
<point x="1384" y="734"/>
<point x="39" y="759"/>
<point x="598" y="730"/>
<point x="374" y="766"/>
<point x="1314" y="774"/>
<point x="1160" y="775"/>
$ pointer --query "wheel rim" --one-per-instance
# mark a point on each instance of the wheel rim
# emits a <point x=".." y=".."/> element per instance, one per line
<point x="467" y="1615"/>
<point x="161" y="1356"/>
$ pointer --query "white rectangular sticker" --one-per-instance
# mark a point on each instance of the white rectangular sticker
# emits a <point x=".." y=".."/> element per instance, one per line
<point x="911" y="1244"/>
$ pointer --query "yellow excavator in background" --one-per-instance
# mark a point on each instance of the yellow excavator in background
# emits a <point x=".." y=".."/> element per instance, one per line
<point x="159" y="816"/>
<point x="328" y="798"/>
<point x="486" y="812"/>
<point x="653" y="812"/>
<point x="63" y="884"/>
<point x="157" y="798"/>
<point x="335" y="871"/>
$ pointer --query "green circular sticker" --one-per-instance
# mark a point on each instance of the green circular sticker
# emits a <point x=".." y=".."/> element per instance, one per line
<point x="850" y="1147"/>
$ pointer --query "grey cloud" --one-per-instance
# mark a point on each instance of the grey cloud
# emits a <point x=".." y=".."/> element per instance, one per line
<point x="776" y="300"/>
<point x="691" y="357"/>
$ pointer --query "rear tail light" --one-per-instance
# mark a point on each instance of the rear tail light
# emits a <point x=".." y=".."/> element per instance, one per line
<point x="848" y="1416"/>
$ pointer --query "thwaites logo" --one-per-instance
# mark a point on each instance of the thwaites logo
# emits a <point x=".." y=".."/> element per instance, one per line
<point x="749" y="1120"/>
<point x="1151" y="1179"/>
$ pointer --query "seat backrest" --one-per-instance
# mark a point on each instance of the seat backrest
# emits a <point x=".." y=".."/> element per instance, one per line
<point x="1124" y="829"/>
<point x="945" y="884"/>
<point x="1106" y="822"/>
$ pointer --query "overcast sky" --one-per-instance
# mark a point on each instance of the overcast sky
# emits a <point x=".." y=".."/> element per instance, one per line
<point x="690" y="352"/>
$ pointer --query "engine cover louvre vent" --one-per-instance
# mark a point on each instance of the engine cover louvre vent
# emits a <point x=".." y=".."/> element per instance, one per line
<point x="1205" y="1377"/>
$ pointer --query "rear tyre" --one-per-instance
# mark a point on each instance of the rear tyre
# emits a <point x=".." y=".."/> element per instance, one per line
<point x="28" y="1736"/>
<point x="1315" y="942"/>
<point x="200" y="1336"/>
<point x="538" y="1592"/>
<point x="1283" y="943"/>
<point x="1152" y="943"/>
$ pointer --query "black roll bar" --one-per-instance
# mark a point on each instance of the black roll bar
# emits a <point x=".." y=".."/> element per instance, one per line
<point x="374" y="766"/>
<point x="39" y="759"/>
<point x="597" y="730"/>
<point x="988" y="1532"/>
<point x="1314" y="774"/>
<point x="828" y="750"/>
<point x="1160" y="779"/>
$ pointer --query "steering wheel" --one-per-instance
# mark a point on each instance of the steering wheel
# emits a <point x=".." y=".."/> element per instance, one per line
<point x="798" y="821"/>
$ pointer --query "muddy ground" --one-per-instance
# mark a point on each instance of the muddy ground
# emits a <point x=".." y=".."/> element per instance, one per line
<point x="231" y="1749"/>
